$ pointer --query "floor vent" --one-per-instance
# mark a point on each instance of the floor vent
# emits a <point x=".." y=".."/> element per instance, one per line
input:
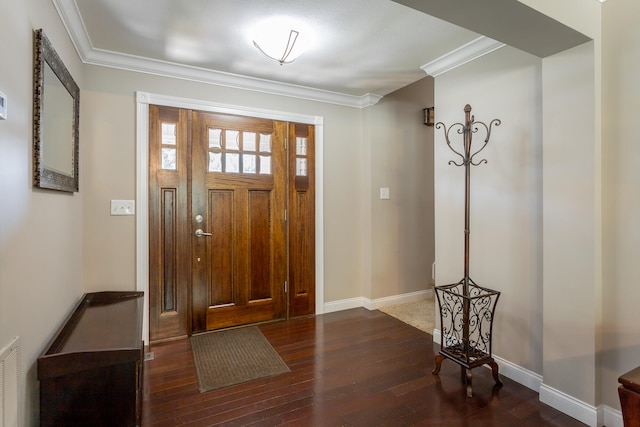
<point x="9" y="390"/>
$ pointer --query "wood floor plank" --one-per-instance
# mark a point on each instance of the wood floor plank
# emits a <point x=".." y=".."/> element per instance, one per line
<point x="350" y="368"/>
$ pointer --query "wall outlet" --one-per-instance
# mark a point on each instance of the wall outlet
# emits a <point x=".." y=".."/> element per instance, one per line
<point x="123" y="207"/>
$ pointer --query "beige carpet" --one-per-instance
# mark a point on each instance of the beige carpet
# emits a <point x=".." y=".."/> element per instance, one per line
<point x="234" y="356"/>
<point x="419" y="314"/>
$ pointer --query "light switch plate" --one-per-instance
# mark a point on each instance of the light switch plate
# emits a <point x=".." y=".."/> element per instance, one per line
<point x="123" y="207"/>
<point x="384" y="193"/>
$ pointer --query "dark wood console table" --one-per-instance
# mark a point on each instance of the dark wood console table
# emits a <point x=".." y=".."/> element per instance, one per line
<point x="91" y="371"/>
<point x="629" y="393"/>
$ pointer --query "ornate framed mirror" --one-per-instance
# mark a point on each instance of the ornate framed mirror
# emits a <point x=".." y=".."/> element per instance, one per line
<point x="56" y="114"/>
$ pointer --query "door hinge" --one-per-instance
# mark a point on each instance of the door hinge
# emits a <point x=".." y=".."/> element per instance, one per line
<point x="285" y="214"/>
<point x="286" y="287"/>
<point x="286" y="141"/>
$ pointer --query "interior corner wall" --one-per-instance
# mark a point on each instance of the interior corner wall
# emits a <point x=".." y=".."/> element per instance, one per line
<point x="505" y="194"/>
<point x="621" y="229"/>
<point x="588" y="294"/>
<point x="366" y="215"/>
<point x="40" y="230"/>
<point x="571" y="279"/>
<point x="401" y="228"/>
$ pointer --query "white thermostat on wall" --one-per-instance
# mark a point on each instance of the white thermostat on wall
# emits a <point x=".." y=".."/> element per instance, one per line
<point x="3" y="106"/>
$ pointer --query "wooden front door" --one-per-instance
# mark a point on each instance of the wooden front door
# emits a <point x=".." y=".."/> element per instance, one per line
<point x="238" y="201"/>
<point x="231" y="221"/>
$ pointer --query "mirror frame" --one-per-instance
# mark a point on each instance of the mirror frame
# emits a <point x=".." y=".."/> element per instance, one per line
<point x="43" y="177"/>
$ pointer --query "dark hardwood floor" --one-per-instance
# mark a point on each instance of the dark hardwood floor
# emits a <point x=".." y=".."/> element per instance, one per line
<point x="349" y="368"/>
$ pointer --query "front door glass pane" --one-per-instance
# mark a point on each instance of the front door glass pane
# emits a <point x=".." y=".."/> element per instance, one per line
<point x="238" y="151"/>
<point x="265" y="143"/>
<point x="265" y="165"/>
<point x="215" y="162"/>
<point x="215" y="140"/>
<point x="232" y="163"/>
<point x="248" y="141"/>
<point x="249" y="163"/>
<point x="232" y="140"/>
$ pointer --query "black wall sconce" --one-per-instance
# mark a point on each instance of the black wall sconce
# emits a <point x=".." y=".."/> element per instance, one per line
<point x="429" y="116"/>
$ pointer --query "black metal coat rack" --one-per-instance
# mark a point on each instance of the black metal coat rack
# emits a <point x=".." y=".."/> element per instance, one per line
<point x="466" y="309"/>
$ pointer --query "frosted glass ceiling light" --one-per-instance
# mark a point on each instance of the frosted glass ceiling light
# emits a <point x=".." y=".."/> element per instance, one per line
<point x="281" y="39"/>
<point x="286" y="56"/>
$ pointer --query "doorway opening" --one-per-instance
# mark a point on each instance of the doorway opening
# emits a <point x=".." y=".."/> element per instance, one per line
<point x="144" y="101"/>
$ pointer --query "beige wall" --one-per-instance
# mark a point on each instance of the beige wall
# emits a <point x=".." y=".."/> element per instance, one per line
<point x="505" y="200"/>
<point x="571" y="224"/>
<point x="585" y="331"/>
<point x="80" y="247"/>
<point x="621" y="158"/>
<point x="40" y="232"/>
<point x="110" y="168"/>
<point x="586" y="322"/>
<point x="401" y="229"/>
<point x="109" y="165"/>
<point x="47" y="259"/>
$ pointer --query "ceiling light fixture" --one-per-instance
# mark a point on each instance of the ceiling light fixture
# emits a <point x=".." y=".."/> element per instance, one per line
<point x="281" y="38"/>
<point x="284" y="58"/>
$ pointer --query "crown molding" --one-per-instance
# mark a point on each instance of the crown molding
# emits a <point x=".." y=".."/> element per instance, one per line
<point x="465" y="53"/>
<point x="68" y="11"/>
<point x="73" y="23"/>
<point x="196" y="74"/>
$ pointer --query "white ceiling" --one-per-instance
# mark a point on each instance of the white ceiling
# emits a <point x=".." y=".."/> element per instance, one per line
<point x="362" y="46"/>
<point x="364" y="49"/>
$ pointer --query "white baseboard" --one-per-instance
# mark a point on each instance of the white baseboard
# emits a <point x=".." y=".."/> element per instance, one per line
<point x="602" y="416"/>
<point x="375" y="304"/>
<point x="611" y="417"/>
<point x="571" y="406"/>
<point x="399" y="299"/>
<point x="345" y="304"/>
<point x="519" y="374"/>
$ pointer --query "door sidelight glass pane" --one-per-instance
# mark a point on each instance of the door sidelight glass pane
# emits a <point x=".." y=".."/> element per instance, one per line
<point x="168" y="158"/>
